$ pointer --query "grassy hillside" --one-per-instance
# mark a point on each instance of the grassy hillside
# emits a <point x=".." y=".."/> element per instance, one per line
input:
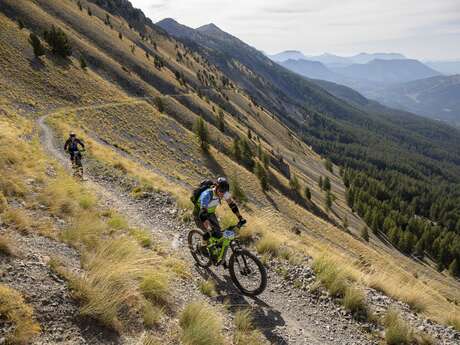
<point x="138" y="121"/>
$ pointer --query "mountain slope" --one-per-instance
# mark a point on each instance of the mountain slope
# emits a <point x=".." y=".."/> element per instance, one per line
<point x="436" y="97"/>
<point x="135" y="105"/>
<point x="388" y="71"/>
<point x="310" y="69"/>
<point x="445" y="67"/>
<point x="352" y="135"/>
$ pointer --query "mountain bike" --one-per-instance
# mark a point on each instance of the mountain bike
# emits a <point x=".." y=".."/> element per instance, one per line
<point x="246" y="270"/>
<point x="77" y="166"/>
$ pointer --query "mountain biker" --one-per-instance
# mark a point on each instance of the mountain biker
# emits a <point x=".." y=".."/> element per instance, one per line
<point x="205" y="208"/>
<point x="72" y="147"/>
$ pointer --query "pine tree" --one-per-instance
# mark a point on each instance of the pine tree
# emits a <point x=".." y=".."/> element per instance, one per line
<point x="83" y="63"/>
<point x="58" y="41"/>
<point x="221" y="121"/>
<point x="328" y="200"/>
<point x="202" y="133"/>
<point x="20" y="24"/>
<point x="327" y="184"/>
<point x="120" y="35"/>
<point x="454" y="268"/>
<point x="345" y="223"/>
<point x="320" y="182"/>
<point x="328" y="165"/>
<point x="90" y="13"/>
<point x="80" y="6"/>
<point x="307" y="193"/>
<point x="262" y="176"/>
<point x="365" y="234"/>
<point x="294" y="184"/>
<point x="36" y="44"/>
<point x="236" y="150"/>
<point x="159" y="104"/>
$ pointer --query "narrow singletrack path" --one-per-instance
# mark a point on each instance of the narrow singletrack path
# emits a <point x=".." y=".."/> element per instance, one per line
<point x="285" y="315"/>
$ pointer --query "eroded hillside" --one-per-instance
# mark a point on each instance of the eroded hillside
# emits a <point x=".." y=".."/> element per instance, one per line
<point x="136" y="105"/>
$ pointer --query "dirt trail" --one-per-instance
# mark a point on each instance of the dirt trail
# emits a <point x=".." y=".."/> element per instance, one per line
<point x="284" y="314"/>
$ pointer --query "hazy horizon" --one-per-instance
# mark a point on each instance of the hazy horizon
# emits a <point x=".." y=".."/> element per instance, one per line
<point x="422" y="29"/>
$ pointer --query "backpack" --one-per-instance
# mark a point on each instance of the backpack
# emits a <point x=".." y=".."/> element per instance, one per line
<point x="205" y="184"/>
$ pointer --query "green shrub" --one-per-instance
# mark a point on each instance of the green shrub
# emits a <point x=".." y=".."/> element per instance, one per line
<point x="58" y="41"/>
<point x="36" y="44"/>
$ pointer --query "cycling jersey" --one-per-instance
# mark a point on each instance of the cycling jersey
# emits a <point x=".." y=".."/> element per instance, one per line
<point x="209" y="200"/>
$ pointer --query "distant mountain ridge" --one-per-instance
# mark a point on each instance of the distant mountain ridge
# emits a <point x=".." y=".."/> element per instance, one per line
<point x="388" y="71"/>
<point x="335" y="60"/>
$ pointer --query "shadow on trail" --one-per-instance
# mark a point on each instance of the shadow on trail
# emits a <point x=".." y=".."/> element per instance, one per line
<point x="266" y="318"/>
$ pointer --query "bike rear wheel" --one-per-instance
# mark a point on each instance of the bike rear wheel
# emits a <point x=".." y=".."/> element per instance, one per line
<point x="198" y="248"/>
<point x="247" y="272"/>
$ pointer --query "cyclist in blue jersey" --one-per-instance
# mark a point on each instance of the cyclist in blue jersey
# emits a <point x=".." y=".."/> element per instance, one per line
<point x="205" y="207"/>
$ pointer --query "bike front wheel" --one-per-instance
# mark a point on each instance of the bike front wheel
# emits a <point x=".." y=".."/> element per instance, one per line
<point x="247" y="272"/>
<point x="198" y="248"/>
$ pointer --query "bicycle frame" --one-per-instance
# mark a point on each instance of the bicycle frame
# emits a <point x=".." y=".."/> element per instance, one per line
<point x="225" y="243"/>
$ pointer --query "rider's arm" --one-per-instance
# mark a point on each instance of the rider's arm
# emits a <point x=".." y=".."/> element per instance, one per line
<point x="66" y="145"/>
<point x="234" y="207"/>
<point x="80" y="143"/>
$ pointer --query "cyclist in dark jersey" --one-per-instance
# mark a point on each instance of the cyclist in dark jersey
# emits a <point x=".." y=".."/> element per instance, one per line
<point x="72" y="146"/>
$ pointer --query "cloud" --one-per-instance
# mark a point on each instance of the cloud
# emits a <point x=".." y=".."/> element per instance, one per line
<point x="325" y="25"/>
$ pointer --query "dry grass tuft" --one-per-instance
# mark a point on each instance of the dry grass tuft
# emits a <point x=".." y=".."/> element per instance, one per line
<point x="18" y="219"/>
<point x="200" y="325"/>
<point x="148" y="339"/>
<point x="155" y="287"/>
<point x="142" y="237"/>
<point x="110" y="279"/>
<point x="245" y="332"/>
<point x="63" y="196"/>
<point x="3" y="203"/>
<point x="7" y="246"/>
<point x="16" y="311"/>
<point x="268" y="244"/>
<point x="332" y="276"/>
<point x="397" y="331"/>
<point x="117" y="222"/>
<point x="208" y="288"/>
<point x="151" y="314"/>
<point x="86" y="229"/>
<point x="454" y="321"/>
<point x="355" y="302"/>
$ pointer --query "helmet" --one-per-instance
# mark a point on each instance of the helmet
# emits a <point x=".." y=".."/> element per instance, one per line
<point x="72" y="134"/>
<point x="222" y="185"/>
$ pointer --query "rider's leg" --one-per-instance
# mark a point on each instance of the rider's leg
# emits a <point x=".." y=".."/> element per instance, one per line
<point x="215" y="226"/>
<point x="78" y="164"/>
<point x="72" y="161"/>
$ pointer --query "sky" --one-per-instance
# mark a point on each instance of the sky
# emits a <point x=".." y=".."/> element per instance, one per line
<point x="421" y="29"/>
